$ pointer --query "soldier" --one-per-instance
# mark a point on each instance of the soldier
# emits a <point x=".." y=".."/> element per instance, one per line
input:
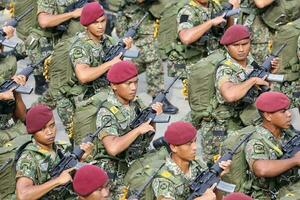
<point x="119" y="144"/>
<point x="149" y="59"/>
<point x="91" y="183"/>
<point x="231" y="86"/>
<point x="181" y="167"/>
<point x="264" y="149"/>
<point x="50" y="16"/>
<point x="39" y="156"/>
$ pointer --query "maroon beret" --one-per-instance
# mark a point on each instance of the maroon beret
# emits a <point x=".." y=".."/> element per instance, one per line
<point x="237" y="196"/>
<point x="90" y="13"/>
<point x="180" y="132"/>
<point x="37" y="118"/>
<point x="88" y="179"/>
<point x="121" y="72"/>
<point x="272" y="102"/>
<point x="235" y="33"/>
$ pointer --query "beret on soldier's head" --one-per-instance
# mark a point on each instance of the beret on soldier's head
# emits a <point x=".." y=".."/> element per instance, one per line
<point x="237" y="196"/>
<point x="88" y="179"/>
<point x="37" y="118"/>
<point x="121" y="72"/>
<point x="179" y="133"/>
<point x="234" y="34"/>
<point x="90" y="13"/>
<point x="272" y="102"/>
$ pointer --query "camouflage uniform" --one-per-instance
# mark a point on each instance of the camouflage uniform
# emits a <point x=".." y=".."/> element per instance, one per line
<point x="120" y="117"/>
<point x="149" y="58"/>
<point x="263" y="146"/>
<point x="35" y="163"/>
<point x="172" y="183"/>
<point x="261" y="38"/>
<point x="225" y="116"/>
<point x="191" y="15"/>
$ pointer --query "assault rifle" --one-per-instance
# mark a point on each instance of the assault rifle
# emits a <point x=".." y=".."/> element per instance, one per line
<point x="115" y="50"/>
<point x="161" y="142"/>
<point x="9" y="84"/>
<point x="261" y="72"/>
<point x="72" y="159"/>
<point x="150" y="114"/>
<point x="73" y="6"/>
<point x="209" y="177"/>
<point x="227" y="11"/>
<point x="13" y="22"/>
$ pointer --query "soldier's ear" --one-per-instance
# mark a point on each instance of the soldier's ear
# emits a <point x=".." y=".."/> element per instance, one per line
<point x="173" y="148"/>
<point x="267" y="116"/>
<point x="113" y="86"/>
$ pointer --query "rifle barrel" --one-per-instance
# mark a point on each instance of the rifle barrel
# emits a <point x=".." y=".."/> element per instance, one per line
<point x="277" y="52"/>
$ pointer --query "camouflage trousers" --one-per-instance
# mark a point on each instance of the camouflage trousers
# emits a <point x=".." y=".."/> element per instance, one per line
<point x="149" y="60"/>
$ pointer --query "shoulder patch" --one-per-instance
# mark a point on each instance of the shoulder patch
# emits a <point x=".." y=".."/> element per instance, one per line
<point x="165" y="174"/>
<point x="184" y="18"/>
<point x="114" y="109"/>
<point x="228" y="62"/>
<point x="258" y="148"/>
<point x="77" y="53"/>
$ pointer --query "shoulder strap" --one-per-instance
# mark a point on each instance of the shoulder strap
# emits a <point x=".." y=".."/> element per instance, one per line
<point x="113" y="109"/>
<point x="19" y="152"/>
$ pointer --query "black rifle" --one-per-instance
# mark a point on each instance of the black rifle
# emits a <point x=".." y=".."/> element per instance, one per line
<point x="161" y="142"/>
<point x="289" y="149"/>
<point x="148" y="113"/>
<point x="13" y="22"/>
<point x="72" y="159"/>
<point x="209" y="177"/>
<point x="9" y="84"/>
<point x="261" y="72"/>
<point x="73" y="6"/>
<point x="115" y="50"/>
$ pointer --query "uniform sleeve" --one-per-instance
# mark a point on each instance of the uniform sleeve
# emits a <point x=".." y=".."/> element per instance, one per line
<point x="163" y="188"/>
<point x="79" y="55"/>
<point x="26" y="167"/>
<point x="223" y="75"/>
<point x="46" y="6"/>
<point x="256" y="150"/>
<point x="111" y="128"/>
<point x="184" y="19"/>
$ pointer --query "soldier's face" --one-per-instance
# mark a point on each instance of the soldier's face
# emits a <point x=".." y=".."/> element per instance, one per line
<point x="280" y="119"/>
<point x="101" y="194"/>
<point x="186" y="151"/>
<point x="239" y="50"/>
<point x="126" y="91"/>
<point x="46" y="136"/>
<point x="97" y="28"/>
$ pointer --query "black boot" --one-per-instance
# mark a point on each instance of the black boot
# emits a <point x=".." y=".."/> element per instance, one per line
<point x="168" y="108"/>
<point x="40" y="84"/>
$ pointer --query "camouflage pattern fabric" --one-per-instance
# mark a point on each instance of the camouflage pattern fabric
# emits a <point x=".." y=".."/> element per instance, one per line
<point x="149" y="59"/>
<point x="35" y="163"/>
<point x="290" y="192"/>
<point x="14" y="130"/>
<point x="191" y="15"/>
<point x="298" y="49"/>
<point x="258" y="149"/>
<point x="172" y="183"/>
<point x="261" y="37"/>
<point x="120" y="117"/>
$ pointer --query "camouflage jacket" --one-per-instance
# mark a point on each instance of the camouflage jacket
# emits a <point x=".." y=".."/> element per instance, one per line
<point x="172" y="183"/>
<point x="266" y="148"/>
<point x="35" y="163"/>
<point x="85" y="51"/>
<point x="120" y="116"/>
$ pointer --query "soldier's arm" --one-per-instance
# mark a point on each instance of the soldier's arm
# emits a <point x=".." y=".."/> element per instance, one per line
<point x="26" y="190"/>
<point x="20" y="111"/>
<point x="262" y="3"/>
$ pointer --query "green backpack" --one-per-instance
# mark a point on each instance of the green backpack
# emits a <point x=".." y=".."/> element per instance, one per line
<point x="143" y="170"/>
<point x="290" y="65"/>
<point x="167" y="34"/>
<point x="201" y="85"/>
<point x="29" y="21"/>
<point x="281" y="12"/>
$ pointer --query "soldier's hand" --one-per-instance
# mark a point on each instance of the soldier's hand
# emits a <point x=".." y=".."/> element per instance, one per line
<point x="218" y="20"/>
<point x="116" y="59"/>
<point x="261" y="81"/>
<point x="208" y="194"/>
<point x="235" y="3"/>
<point x="297" y="158"/>
<point x="275" y="65"/>
<point x="145" y="127"/>
<point x="9" y="30"/>
<point x="158" y="107"/>
<point x="128" y="42"/>
<point x="225" y="165"/>
<point x="87" y="148"/>
<point x="20" y="79"/>
<point x="65" y="176"/>
<point x="76" y="13"/>
<point x="7" y="95"/>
